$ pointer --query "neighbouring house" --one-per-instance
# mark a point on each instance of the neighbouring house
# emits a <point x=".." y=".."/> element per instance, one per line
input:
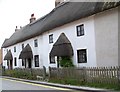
<point x="0" y="56"/>
<point x="87" y="32"/>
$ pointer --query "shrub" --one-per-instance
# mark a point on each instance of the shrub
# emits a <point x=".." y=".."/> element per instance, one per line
<point x="66" y="62"/>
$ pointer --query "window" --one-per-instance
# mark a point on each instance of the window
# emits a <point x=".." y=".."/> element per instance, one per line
<point x="82" y="56"/>
<point x="14" y="49"/>
<point x="23" y="62"/>
<point x="52" y="59"/>
<point x="36" y="43"/>
<point x="36" y="57"/>
<point x="51" y="38"/>
<point x="80" y="30"/>
<point x="15" y="61"/>
<point x="22" y="46"/>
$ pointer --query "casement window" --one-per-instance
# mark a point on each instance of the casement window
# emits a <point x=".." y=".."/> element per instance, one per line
<point x="15" y="61"/>
<point x="23" y="62"/>
<point x="36" y="59"/>
<point x="36" y="43"/>
<point x="14" y="49"/>
<point x="51" y="38"/>
<point x="80" y="30"/>
<point x="22" y="46"/>
<point x="52" y="59"/>
<point x="82" y="56"/>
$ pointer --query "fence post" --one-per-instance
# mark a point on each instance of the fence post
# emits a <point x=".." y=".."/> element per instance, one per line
<point x="44" y="72"/>
<point x="84" y="75"/>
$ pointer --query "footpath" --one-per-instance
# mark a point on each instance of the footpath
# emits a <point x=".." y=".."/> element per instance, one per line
<point x="77" y="88"/>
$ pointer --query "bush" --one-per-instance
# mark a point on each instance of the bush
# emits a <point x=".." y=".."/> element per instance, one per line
<point x="66" y="62"/>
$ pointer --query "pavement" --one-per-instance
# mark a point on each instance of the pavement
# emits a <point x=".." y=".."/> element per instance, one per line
<point x="81" y="88"/>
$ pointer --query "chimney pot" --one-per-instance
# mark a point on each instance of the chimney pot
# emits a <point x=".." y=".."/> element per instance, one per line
<point x="16" y="28"/>
<point x="32" y="18"/>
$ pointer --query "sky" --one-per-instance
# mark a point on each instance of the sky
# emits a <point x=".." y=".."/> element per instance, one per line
<point x="18" y="12"/>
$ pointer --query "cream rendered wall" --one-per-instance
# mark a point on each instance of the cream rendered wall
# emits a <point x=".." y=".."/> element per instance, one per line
<point x="106" y="38"/>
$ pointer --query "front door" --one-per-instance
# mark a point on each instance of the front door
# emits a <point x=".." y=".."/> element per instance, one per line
<point x="29" y="63"/>
<point x="11" y="64"/>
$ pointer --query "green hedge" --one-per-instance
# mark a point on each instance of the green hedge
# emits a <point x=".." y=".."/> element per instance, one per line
<point x="19" y="73"/>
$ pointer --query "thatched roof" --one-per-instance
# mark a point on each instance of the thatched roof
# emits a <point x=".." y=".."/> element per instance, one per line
<point x="62" y="47"/>
<point x="8" y="56"/>
<point x="26" y="53"/>
<point x="62" y="14"/>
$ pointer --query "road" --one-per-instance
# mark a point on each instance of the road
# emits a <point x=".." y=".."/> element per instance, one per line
<point x="8" y="84"/>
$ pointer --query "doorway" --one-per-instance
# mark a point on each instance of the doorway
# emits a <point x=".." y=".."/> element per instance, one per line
<point x="11" y="65"/>
<point x="29" y="63"/>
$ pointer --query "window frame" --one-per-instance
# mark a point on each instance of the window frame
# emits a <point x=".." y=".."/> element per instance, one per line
<point x="79" y="30"/>
<point x="35" y="61"/>
<point x="36" y="43"/>
<point x="51" y="38"/>
<point x="81" y="53"/>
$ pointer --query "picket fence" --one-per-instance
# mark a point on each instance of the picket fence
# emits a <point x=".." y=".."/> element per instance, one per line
<point x="106" y="75"/>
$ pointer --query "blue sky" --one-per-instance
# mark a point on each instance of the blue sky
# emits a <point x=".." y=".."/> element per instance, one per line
<point x="17" y="13"/>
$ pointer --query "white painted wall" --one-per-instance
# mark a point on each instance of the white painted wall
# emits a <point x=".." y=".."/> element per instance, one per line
<point x="106" y="36"/>
<point x="84" y="42"/>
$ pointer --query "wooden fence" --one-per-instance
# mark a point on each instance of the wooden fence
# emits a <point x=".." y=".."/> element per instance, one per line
<point x="106" y="75"/>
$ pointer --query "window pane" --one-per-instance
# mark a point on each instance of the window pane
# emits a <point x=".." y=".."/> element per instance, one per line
<point x="36" y="43"/>
<point x="14" y="49"/>
<point x="36" y="60"/>
<point x="81" y="54"/>
<point x="52" y="59"/>
<point x="80" y="30"/>
<point x="51" y="38"/>
<point x="82" y="27"/>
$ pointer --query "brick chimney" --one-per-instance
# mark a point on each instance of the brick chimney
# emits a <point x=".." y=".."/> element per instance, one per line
<point x="57" y="2"/>
<point x="32" y="18"/>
